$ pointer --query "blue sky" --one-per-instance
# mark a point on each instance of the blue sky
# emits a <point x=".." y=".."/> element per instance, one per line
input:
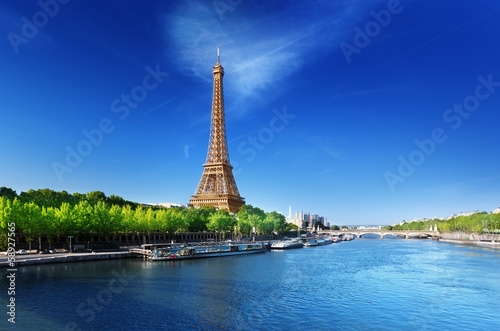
<point x="366" y="112"/>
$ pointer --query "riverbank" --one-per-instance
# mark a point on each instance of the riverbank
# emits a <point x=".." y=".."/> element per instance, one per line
<point x="472" y="242"/>
<point x="65" y="257"/>
<point x="464" y="238"/>
<point x="336" y="283"/>
<point x="35" y="259"/>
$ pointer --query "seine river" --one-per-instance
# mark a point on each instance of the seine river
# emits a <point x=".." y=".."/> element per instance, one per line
<point x="359" y="285"/>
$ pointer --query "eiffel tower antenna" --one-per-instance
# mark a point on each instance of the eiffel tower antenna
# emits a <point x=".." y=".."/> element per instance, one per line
<point x="217" y="186"/>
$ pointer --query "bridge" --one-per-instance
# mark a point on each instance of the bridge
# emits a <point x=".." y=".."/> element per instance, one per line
<point x="382" y="233"/>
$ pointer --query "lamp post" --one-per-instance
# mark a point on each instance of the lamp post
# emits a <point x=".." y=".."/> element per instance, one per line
<point x="70" y="250"/>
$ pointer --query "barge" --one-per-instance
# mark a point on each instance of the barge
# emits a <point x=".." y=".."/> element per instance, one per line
<point x="288" y="244"/>
<point x="199" y="252"/>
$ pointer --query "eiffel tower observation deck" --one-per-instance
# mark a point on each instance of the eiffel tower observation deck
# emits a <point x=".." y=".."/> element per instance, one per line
<point x="217" y="186"/>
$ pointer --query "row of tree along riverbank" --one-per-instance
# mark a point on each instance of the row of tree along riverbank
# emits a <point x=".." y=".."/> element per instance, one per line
<point x="478" y="223"/>
<point x="46" y="215"/>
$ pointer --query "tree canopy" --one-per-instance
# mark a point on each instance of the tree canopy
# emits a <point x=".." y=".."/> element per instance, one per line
<point x="50" y="198"/>
<point x="475" y="223"/>
<point x="52" y="214"/>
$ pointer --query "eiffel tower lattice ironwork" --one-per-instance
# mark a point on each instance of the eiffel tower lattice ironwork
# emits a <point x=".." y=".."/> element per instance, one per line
<point x="217" y="186"/>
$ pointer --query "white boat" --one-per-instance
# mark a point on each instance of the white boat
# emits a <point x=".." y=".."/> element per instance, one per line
<point x="347" y="237"/>
<point x="199" y="252"/>
<point x="311" y="243"/>
<point x="336" y="239"/>
<point x="325" y="241"/>
<point x="287" y="244"/>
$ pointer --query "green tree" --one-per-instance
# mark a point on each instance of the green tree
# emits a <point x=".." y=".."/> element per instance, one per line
<point x="116" y="218"/>
<point x="255" y="223"/>
<point x="31" y="224"/>
<point x="162" y="220"/>
<point x="151" y="222"/>
<point x="95" y="196"/>
<point x="221" y="222"/>
<point x="177" y="221"/>
<point x="8" y="193"/>
<point x="127" y="224"/>
<point x="250" y="217"/>
<point x="197" y="218"/>
<point x="77" y="197"/>
<point x="140" y="223"/>
<point x="6" y="219"/>
<point x="48" y="224"/>
<point x="320" y="225"/>
<point x="65" y="222"/>
<point x="170" y="221"/>
<point x="102" y="221"/>
<point x="84" y="222"/>
<point x="115" y="200"/>
<point x="267" y="225"/>
<point x="278" y="220"/>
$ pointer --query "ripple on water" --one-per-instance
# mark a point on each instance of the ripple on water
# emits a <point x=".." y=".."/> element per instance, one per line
<point x="362" y="284"/>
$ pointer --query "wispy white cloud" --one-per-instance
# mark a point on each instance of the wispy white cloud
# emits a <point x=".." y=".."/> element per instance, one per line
<point x="156" y="107"/>
<point x="186" y="151"/>
<point x="323" y="172"/>
<point x="322" y="145"/>
<point x="260" y="52"/>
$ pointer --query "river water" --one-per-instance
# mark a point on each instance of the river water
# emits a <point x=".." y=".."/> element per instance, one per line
<point x="365" y="284"/>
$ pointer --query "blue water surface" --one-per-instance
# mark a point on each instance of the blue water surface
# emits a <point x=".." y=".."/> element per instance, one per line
<point x="365" y="284"/>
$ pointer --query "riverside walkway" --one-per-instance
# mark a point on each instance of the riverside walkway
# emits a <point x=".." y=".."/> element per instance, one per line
<point x="32" y="259"/>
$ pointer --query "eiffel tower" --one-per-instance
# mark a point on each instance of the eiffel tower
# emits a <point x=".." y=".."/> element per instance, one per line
<point x="217" y="186"/>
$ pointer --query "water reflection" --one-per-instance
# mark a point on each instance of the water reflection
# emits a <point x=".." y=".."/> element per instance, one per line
<point x="393" y="284"/>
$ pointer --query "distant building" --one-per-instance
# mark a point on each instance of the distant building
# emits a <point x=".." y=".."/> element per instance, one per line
<point x="166" y="205"/>
<point x="369" y="227"/>
<point x="465" y="213"/>
<point x="468" y="213"/>
<point x="300" y="219"/>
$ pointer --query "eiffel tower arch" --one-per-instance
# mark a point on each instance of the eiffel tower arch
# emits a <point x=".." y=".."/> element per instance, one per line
<point x="217" y="186"/>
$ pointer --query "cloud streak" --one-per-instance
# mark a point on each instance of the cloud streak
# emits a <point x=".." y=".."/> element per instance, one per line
<point x="261" y="53"/>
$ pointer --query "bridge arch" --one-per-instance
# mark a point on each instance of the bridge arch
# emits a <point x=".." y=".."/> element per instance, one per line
<point x="383" y="233"/>
<point x="361" y="234"/>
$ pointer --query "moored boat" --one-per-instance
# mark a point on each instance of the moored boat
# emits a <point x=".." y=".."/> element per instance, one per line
<point x="311" y="243"/>
<point x="198" y="252"/>
<point x="324" y="241"/>
<point x="336" y="239"/>
<point x="287" y="244"/>
<point x="347" y="237"/>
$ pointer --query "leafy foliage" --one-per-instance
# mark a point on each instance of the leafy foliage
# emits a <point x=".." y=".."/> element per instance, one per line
<point x="221" y="221"/>
<point x="52" y="214"/>
<point x="50" y="198"/>
<point x="476" y="223"/>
